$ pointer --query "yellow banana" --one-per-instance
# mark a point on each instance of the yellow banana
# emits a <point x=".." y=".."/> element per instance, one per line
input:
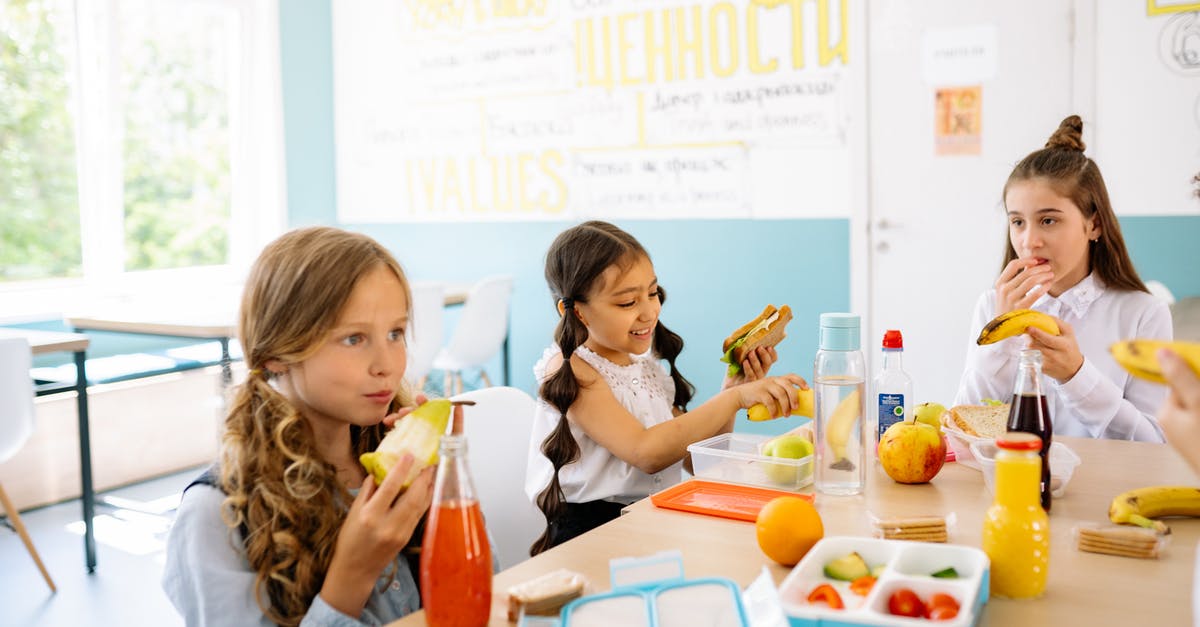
<point x="1014" y="323"/>
<point x="1140" y="506"/>
<point x="841" y="425"/>
<point x="1140" y="357"/>
<point x="804" y="407"/>
<point x="418" y="434"/>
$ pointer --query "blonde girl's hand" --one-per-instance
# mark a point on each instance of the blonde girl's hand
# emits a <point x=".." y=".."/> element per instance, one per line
<point x="1179" y="415"/>
<point x="1061" y="358"/>
<point x="379" y="524"/>
<point x="1021" y="283"/>
<point x="754" y="367"/>
<point x="389" y="420"/>
<point x="776" y="393"/>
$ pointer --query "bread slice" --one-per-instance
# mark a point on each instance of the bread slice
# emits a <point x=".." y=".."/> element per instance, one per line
<point x="982" y="421"/>
<point x="544" y="595"/>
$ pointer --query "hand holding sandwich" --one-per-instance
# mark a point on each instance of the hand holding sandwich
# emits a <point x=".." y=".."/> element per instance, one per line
<point x="750" y="350"/>
<point x="755" y="366"/>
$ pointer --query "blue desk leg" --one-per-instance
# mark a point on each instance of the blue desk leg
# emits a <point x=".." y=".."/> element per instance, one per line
<point x="85" y="462"/>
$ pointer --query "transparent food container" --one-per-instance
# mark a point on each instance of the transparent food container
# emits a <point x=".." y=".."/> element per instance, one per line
<point x="1063" y="462"/>
<point x="736" y="458"/>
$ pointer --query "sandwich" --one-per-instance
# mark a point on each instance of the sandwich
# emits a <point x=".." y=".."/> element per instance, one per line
<point x="544" y="595"/>
<point x="981" y="421"/>
<point x="765" y="330"/>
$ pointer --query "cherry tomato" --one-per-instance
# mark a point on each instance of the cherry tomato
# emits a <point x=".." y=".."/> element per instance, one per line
<point x="942" y="612"/>
<point x="826" y="593"/>
<point x="904" y="602"/>
<point x="940" y="599"/>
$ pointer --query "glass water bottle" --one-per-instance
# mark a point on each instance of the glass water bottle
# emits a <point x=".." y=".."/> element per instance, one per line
<point x="456" y="559"/>
<point x="842" y="441"/>
<point x="1030" y="413"/>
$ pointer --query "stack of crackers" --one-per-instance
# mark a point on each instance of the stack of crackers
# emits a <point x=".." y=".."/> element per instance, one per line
<point x="1125" y="542"/>
<point x="920" y="529"/>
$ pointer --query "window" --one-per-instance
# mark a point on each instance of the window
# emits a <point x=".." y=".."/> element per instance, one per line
<point x="138" y="139"/>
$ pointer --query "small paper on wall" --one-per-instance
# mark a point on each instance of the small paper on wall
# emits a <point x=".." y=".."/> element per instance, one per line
<point x="958" y="120"/>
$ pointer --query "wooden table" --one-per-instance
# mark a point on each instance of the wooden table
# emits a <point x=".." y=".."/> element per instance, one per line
<point x="41" y="342"/>
<point x="1084" y="588"/>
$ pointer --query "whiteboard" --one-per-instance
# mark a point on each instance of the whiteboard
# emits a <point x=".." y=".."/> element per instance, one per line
<point x="1147" y="126"/>
<point x="459" y="110"/>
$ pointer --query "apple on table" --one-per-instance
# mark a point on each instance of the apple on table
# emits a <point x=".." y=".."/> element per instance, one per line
<point x="913" y="451"/>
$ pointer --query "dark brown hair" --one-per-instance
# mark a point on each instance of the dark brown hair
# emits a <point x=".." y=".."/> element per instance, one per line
<point x="1074" y="176"/>
<point x="574" y="264"/>
<point x="279" y="489"/>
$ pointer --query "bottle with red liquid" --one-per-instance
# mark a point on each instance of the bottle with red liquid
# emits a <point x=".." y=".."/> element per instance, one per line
<point x="1030" y="412"/>
<point x="456" y="559"/>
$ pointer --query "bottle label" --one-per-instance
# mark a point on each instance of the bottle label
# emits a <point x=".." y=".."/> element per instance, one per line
<point x="891" y="411"/>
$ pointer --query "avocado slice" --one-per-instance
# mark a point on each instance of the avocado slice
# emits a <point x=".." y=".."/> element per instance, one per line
<point x="847" y="568"/>
<point x="877" y="571"/>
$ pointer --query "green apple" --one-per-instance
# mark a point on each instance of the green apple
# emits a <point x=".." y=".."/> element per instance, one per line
<point x="930" y="414"/>
<point x="789" y="446"/>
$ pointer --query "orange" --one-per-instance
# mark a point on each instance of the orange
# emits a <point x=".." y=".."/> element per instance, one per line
<point x="787" y="527"/>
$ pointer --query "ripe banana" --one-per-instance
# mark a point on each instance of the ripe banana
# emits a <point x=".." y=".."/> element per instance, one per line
<point x="1014" y="323"/>
<point x="804" y="407"/>
<point x="418" y="434"/>
<point x="841" y="425"/>
<point x="1138" y="507"/>
<point x="1140" y="357"/>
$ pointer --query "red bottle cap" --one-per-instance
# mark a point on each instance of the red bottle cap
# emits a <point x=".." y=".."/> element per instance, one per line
<point x="1019" y="441"/>
<point x="893" y="339"/>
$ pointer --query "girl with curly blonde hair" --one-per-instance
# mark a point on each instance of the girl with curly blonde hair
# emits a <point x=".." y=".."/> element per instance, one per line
<point x="287" y="528"/>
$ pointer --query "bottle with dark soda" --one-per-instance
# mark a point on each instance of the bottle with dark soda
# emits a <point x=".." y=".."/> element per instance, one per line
<point x="1030" y="412"/>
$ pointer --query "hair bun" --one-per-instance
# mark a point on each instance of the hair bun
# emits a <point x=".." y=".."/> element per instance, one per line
<point x="1069" y="135"/>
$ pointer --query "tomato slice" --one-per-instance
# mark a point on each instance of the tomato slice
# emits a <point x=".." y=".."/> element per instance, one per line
<point x="862" y="586"/>
<point x="826" y="593"/>
<point x="942" y="612"/>
<point x="904" y="602"/>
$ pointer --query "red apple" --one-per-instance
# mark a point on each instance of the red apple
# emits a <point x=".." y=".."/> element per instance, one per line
<point x="912" y="452"/>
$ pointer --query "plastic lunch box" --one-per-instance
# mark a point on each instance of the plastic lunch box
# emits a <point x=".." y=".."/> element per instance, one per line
<point x="906" y="565"/>
<point x="735" y="458"/>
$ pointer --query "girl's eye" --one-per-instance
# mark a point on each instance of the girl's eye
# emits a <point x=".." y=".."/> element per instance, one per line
<point x="1016" y="222"/>
<point x="353" y="340"/>
<point x="396" y="334"/>
<point x="1048" y="221"/>
<point x="656" y="294"/>
<point x="628" y="304"/>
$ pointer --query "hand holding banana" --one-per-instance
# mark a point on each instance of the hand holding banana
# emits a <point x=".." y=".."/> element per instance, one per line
<point x="804" y="407"/>
<point x="1014" y="323"/>
<point x="1140" y="357"/>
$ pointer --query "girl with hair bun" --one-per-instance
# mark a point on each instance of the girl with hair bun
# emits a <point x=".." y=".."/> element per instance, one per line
<point x="288" y="528"/>
<point x="1065" y="257"/>
<point x="611" y="425"/>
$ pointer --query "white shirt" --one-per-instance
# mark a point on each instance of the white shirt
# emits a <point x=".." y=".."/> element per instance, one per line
<point x="1102" y="400"/>
<point x="646" y="391"/>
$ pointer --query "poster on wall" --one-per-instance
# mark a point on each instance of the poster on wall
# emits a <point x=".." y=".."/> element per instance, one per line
<point x="458" y="110"/>
<point x="958" y="121"/>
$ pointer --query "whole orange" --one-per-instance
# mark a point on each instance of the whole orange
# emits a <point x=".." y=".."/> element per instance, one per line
<point x="787" y="527"/>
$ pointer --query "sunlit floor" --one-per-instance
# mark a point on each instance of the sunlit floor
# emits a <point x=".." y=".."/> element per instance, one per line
<point x="125" y="588"/>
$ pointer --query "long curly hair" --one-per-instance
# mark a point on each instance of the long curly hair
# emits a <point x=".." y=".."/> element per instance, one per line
<point x="1073" y="175"/>
<point x="280" y="492"/>
<point x="575" y="262"/>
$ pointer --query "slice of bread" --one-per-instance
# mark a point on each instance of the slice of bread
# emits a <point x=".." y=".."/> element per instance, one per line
<point x="982" y="421"/>
<point x="544" y="595"/>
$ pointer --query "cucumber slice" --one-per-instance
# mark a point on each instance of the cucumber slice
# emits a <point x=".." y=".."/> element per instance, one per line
<point x="946" y="573"/>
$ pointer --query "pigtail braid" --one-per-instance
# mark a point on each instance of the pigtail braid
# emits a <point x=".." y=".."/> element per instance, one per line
<point x="560" y="391"/>
<point x="668" y="345"/>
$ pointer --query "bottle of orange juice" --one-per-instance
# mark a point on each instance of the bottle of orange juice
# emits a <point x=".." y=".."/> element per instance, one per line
<point x="456" y="559"/>
<point x="1016" y="530"/>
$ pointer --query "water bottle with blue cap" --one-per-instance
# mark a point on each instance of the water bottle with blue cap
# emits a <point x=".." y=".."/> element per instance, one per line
<point x="839" y="373"/>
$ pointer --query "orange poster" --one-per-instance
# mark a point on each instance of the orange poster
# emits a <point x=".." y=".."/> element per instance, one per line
<point x="958" y="121"/>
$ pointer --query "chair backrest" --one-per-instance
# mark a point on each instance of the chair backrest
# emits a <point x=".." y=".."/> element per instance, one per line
<point x="425" y="329"/>
<point x="497" y="429"/>
<point x="16" y="396"/>
<point x="481" y="329"/>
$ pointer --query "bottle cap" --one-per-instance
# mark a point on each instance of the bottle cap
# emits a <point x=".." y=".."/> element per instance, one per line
<point x="893" y="339"/>
<point x="839" y="332"/>
<point x="1019" y="441"/>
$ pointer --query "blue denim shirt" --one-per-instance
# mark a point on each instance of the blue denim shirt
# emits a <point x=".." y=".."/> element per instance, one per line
<point x="209" y="581"/>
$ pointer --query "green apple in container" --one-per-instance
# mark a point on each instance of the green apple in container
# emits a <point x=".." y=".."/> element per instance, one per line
<point x="930" y="414"/>
<point x="787" y="446"/>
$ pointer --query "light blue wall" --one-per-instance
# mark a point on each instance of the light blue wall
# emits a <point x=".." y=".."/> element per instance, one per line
<point x="1166" y="249"/>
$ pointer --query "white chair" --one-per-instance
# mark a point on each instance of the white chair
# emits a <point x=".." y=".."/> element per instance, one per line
<point x="16" y="425"/>
<point x="479" y="334"/>
<point x="497" y="429"/>
<point x="424" y="330"/>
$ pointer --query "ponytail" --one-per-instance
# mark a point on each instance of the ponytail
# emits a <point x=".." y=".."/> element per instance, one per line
<point x="668" y="345"/>
<point x="560" y="390"/>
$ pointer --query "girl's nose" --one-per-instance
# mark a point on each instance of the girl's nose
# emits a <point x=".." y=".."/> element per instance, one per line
<point x="383" y="362"/>
<point x="1031" y="239"/>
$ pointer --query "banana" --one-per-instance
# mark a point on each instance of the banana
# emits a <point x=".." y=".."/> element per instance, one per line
<point x="804" y="407"/>
<point x="418" y="434"/>
<point x="1140" y="506"/>
<point x="1140" y="357"/>
<point x="841" y="425"/>
<point x="1014" y="323"/>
